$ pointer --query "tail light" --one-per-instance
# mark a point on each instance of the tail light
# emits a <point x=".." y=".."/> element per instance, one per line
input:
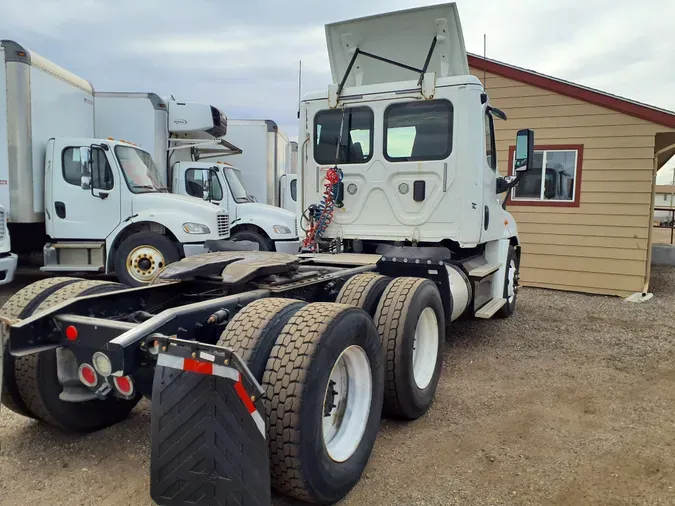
<point x="124" y="385"/>
<point x="87" y="375"/>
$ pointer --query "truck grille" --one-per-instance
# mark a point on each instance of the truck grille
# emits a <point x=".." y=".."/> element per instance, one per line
<point x="3" y="226"/>
<point x="223" y="225"/>
<point x="296" y="228"/>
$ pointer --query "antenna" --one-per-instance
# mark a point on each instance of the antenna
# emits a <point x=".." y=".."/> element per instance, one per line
<point x="484" y="61"/>
<point x="299" y="88"/>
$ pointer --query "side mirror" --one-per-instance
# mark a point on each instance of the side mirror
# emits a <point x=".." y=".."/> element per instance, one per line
<point x="206" y="184"/>
<point x="524" y="150"/>
<point x="85" y="167"/>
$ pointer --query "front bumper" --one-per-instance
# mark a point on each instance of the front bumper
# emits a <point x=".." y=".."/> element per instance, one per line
<point x="194" y="249"/>
<point x="290" y="247"/>
<point x="8" y="265"/>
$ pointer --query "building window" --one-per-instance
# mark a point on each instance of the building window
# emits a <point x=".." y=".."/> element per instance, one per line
<point x="418" y="131"/>
<point x="357" y="136"/>
<point x="555" y="178"/>
<point x="102" y="176"/>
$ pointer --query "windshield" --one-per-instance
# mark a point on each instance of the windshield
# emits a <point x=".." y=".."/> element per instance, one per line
<point x="139" y="170"/>
<point x="239" y="193"/>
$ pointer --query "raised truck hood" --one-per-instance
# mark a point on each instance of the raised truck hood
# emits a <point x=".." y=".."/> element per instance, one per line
<point x="403" y="36"/>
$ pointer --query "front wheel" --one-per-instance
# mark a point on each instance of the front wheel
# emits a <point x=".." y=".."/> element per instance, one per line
<point x="141" y="257"/>
<point x="264" y="244"/>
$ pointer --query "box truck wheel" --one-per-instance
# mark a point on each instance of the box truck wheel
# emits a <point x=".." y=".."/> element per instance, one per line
<point x="21" y="305"/>
<point x="510" y="285"/>
<point x="324" y="384"/>
<point x="254" y="330"/>
<point x="141" y="256"/>
<point x="364" y="291"/>
<point x="411" y="323"/>
<point x="264" y="244"/>
<point x="39" y="386"/>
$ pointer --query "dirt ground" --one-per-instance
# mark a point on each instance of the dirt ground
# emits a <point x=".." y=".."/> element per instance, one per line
<point x="569" y="402"/>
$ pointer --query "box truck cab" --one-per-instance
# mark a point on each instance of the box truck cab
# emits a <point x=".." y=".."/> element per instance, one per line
<point x="109" y="194"/>
<point x="186" y="147"/>
<point x="82" y="202"/>
<point x="271" y="227"/>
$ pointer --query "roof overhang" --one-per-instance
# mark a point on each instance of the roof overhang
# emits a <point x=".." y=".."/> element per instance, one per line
<point x="590" y="95"/>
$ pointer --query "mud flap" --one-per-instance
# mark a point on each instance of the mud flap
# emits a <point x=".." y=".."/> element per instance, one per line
<point x="208" y="429"/>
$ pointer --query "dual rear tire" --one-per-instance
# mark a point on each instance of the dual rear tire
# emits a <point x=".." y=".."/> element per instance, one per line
<point x="329" y="369"/>
<point x="31" y="385"/>
<point x="324" y="383"/>
<point x="409" y="317"/>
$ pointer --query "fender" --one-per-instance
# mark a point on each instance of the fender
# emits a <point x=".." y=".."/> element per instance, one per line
<point x="162" y="222"/>
<point x="265" y="217"/>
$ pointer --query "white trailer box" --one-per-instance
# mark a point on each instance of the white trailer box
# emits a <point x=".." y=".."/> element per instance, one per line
<point x="40" y="100"/>
<point x="265" y="157"/>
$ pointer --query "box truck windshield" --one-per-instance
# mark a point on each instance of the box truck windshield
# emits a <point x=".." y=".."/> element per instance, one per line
<point x="139" y="170"/>
<point x="239" y="193"/>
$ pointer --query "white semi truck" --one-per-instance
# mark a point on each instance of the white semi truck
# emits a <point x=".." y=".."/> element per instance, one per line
<point x="187" y="158"/>
<point x="81" y="202"/>
<point x="266" y="369"/>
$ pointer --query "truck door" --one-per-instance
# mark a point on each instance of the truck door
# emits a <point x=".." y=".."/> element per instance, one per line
<point x="492" y="227"/>
<point x="71" y="211"/>
<point x="288" y="192"/>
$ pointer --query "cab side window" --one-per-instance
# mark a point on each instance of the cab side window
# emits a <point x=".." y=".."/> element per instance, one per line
<point x="102" y="176"/>
<point x="195" y="184"/>
<point x="294" y="190"/>
<point x="490" y="151"/>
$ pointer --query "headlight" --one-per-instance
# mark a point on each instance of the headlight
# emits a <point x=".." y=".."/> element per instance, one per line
<point x="280" y="229"/>
<point x="196" y="228"/>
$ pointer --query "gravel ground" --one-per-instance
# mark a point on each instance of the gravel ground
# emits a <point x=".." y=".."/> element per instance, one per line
<point x="568" y="402"/>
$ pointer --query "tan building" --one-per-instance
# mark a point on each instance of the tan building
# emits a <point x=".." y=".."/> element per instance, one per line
<point x="585" y="221"/>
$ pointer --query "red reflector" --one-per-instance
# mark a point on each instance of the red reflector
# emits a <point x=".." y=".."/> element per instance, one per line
<point x="88" y="375"/>
<point x="197" y="366"/>
<point x="243" y="395"/>
<point x="71" y="333"/>
<point x="124" y="385"/>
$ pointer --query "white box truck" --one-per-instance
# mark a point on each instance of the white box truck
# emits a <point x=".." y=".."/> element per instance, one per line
<point x="190" y="160"/>
<point x="79" y="202"/>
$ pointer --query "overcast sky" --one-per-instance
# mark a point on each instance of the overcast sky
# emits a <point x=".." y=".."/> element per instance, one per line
<point x="242" y="56"/>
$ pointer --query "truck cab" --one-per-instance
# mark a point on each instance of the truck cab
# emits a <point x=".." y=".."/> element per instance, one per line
<point x="399" y="152"/>
<point x="271" y="227"/>
<point x="138" y="227"/>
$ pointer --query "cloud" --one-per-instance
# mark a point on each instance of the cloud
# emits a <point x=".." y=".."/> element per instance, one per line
<point x="243" y="56"/>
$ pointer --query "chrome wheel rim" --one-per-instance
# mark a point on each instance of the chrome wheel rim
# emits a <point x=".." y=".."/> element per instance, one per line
<point x="425" y="348"/>
<point x="144" y="263"/>
<point x="346" y="404"/>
